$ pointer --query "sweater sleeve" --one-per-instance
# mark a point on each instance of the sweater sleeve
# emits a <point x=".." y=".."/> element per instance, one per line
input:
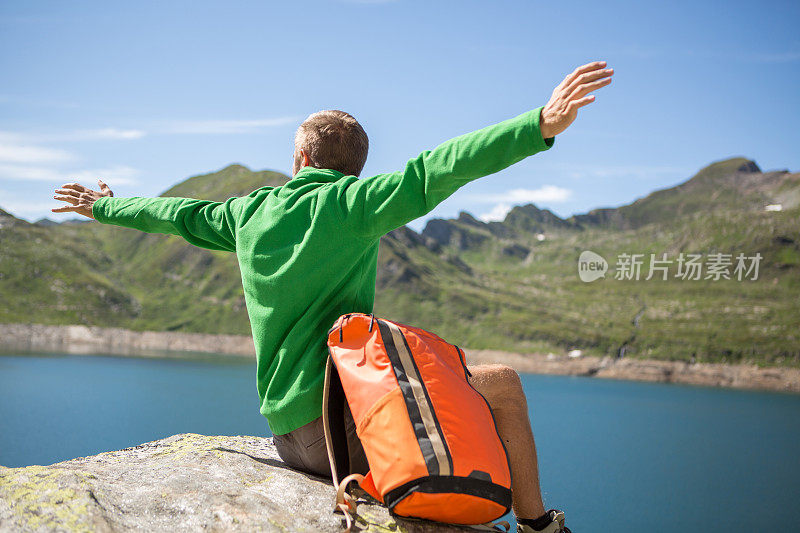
<point x="202" y="223"/>
<point x="376" y="205"/>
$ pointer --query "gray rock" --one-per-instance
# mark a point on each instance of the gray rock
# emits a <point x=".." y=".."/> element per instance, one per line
<point x="182" y="483"/>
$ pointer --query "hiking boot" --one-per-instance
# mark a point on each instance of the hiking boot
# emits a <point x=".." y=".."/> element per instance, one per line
<point x="555" y="526"/>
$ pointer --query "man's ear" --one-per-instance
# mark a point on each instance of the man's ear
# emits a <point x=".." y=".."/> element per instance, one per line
<point x="305" y="161"/>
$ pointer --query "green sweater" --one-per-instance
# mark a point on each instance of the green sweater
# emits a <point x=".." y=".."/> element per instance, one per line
<point x="308" y="249"/>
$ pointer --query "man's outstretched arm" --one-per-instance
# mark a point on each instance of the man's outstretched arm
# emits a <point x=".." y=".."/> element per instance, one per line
<point x="202" y="223"/>
<point x="378" y="204"/>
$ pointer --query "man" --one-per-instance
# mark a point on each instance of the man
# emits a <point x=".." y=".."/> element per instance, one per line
<point x="307" y="252"/>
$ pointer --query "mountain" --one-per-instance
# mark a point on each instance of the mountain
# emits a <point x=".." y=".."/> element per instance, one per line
<point x="7" y="219"/>
<point x="509" y="285"/>
<point x="736" y="185"/>
<point x="732" y="184"/>
<point x="233" y="180"/>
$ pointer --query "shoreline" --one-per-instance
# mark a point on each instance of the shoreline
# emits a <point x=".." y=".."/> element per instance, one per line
<point x="733" y="376"/>
<point x="124" y="342"/>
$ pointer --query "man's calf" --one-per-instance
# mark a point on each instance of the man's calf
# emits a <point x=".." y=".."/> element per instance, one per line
<point x="502" y="388"/>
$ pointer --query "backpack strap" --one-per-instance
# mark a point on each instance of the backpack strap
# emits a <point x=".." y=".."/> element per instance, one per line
<point x="345" y="503"/>
<point x="333" y="402"/>
<point x="333" y="399"/>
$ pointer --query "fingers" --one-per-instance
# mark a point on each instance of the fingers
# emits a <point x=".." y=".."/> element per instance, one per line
<point x="76" y="186"/>
<point x="586" y="88"/>
<point x="70" y="195"/>
<point x="105" y="189"/>
<point x="586" y="79"/>
<point x="69" y="192"/>
<point x="71" y="199"/>
<point x="580" y="102"/>
<point x="583" y="69"/>
<point x="65" y="209"/>
<point x="572" y="94"/>
<point x="589" y="77"/>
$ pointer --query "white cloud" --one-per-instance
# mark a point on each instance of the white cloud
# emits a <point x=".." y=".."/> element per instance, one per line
<point x="545" y="193"/>
<point x="27" y="162"/>
<point x="113" y="176"/>
<point x="21" y="205"/>
<point x="106" y="133"/>
<point x="24" y="158"/>
<point x="20" y="141"/>
<point x="10" y="137"/>
<point x="116" y="175"/>
<point x="28" y="210"/>
<point x="506" y="200"/>
<point x="22" y="153"/>
<point x="223" y="127"/>
<point x="497" y="214"/>
<point x="100" y="134"/>
<point x="27" y="173"/>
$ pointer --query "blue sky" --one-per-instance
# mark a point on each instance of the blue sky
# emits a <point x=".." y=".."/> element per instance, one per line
<point x="145" y="94"/>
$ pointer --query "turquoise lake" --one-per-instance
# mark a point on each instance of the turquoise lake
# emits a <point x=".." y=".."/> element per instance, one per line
<point x="614" y="455"/>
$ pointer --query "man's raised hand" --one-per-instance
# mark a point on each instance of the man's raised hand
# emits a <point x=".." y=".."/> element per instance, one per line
<point x="81" y="198"/>
<point x="572" y="94"/>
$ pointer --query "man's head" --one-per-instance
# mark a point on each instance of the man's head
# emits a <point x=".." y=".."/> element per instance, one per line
<point x="331" y="139"/>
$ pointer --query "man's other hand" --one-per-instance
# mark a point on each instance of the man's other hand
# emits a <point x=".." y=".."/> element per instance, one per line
<point x="572" y="94"/>
<point x="81" y="198"/>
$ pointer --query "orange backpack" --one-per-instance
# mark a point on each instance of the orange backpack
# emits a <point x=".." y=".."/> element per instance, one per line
<point x="429" y="437"/>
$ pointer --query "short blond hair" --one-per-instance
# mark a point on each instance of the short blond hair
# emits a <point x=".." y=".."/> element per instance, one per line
<point x="333" y="139"/>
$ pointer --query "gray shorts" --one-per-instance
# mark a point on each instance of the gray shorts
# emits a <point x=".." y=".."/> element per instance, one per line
<point x="304" y="449"/>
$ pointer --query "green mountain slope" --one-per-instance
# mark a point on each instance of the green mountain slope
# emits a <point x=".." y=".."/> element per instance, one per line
<point x="733" y="184"/>
<point x="58" y="275"/>
<point x="233" y="180"/>
<point x="510" y="285"/>
<point x="720" y="210"/>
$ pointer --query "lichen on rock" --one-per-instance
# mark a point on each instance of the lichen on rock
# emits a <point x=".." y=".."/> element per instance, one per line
<point x="185" y="482"/>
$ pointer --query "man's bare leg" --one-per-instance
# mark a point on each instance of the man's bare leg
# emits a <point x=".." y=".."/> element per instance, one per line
<point x="502" y="388"/>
